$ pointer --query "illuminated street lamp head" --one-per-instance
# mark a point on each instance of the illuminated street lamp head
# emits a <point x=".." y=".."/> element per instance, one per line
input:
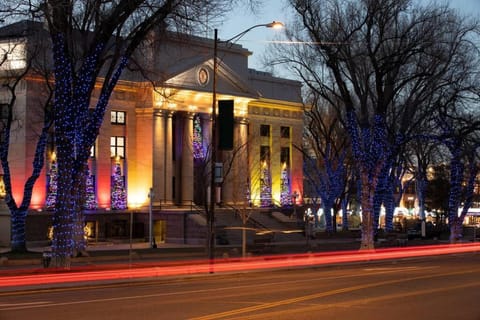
<point x="275" y="25"/>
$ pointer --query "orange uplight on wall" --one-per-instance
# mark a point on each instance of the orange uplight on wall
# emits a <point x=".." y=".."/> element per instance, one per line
<point x="39" y="195"/>
<point x="103" y="199"/>
<point x="137" y="199"/>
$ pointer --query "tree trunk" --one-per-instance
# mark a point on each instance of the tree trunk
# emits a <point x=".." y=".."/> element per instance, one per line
<point x="368" y="232"/>
<point x="389" y="210"/>
<point x="327" y="213"/>
<point x="79" y="240"/>
<point x="378" y="199"/>
<point x="63" y="220"/>
<point x="456" y="231"/>
<point x="456" y="179"/>
<point x="344" y="215"/>
<point x="18" y="218"/>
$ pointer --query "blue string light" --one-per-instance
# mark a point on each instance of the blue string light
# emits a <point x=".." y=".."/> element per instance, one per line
<point x="119" y="195"/>
<point x="285" y="188"/>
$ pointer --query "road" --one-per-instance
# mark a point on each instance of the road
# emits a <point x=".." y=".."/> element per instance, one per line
<point x="443" y="287"/>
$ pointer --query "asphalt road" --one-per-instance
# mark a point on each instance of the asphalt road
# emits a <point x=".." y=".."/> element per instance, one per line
<point x="444" y="287"/>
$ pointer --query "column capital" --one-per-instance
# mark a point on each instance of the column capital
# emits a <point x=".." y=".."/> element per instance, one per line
<point x="242" y="120"/>
<point x="189" y="115"/>
<point x="162" y="113"/>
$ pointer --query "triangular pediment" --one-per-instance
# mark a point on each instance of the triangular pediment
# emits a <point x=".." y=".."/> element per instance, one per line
<point x="197" y="75"/>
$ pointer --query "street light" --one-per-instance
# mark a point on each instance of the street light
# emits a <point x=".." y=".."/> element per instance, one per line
<point x="211" y="211"/>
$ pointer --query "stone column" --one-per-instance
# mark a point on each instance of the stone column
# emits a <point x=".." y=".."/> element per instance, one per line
<point x="159" y="147"/>
<point x="242" y="168"/>
<point x="169" y="172"/>
<point x="187" y="160"/>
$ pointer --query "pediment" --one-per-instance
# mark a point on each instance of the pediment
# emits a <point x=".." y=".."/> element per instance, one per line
<point x="197" y="75"/>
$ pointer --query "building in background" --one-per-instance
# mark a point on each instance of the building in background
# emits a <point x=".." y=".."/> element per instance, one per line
<point x="156" y="136"/>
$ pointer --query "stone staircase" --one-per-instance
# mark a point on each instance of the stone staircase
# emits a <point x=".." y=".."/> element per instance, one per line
<point x="229" y="226"/>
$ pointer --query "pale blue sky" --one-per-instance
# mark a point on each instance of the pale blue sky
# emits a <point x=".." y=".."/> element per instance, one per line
<point x="257" y="39"/>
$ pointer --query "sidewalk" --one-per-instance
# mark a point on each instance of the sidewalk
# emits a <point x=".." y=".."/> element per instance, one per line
<point x="108" y="252"/>
<point x="103" y="253"/>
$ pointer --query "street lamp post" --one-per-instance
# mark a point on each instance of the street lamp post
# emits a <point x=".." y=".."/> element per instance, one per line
<point x="211" y="210"/>
<point x="151" y="242"/>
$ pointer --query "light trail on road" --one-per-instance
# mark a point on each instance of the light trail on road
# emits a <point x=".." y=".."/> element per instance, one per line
<point x="78" y="275"/>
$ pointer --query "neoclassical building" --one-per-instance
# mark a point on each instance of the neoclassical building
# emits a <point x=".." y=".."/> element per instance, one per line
<point x="155" y="143"/>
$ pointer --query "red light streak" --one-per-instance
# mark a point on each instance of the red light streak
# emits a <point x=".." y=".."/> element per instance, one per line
<point x="152" y="270"/>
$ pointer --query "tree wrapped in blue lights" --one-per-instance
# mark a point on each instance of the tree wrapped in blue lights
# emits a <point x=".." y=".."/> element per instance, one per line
<point x="77" y="124"/>
<point x="327" y="177"/>
<point x="332" y="184"/>
<point x="10" y="82"/>
<point x="119" y="194"/>
<point x="326" y="160"/>
<point x="389" y="190"/>
<point x="464" y="164"/>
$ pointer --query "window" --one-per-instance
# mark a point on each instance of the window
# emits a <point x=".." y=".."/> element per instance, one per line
<point x="14" y="55"/>
<point x="93" y="152"/>
<point x="285" y="156"/>
<point x="117" y="117"/>
<point x="117" y="147"/>
<point x="265" y="153"/>
<point x="285" y="132"/>
<point x="3" y="192"/>
<point x="264" y="130"/>
<point x="4" y="110"/>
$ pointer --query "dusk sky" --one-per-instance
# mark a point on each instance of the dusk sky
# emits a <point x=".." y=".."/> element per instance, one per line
<point x="257" y="39"/>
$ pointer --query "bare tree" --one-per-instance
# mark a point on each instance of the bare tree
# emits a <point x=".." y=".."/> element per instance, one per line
<point x="377" y="61"/>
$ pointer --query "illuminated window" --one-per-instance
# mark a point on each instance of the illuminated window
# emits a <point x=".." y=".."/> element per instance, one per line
<point x="14" y="54"/>
<point x="92" y="151"/>
<point x="117" y="117"/>
<point x="117" y="147"/>
<point x="3" y="192"/>
<point x="264" y="130"/>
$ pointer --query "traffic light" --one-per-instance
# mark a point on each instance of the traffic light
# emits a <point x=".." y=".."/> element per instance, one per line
<point x="225" y="124"/>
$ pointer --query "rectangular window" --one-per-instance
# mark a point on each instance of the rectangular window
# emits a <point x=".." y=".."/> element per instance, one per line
<point x="264" y="130"/>
<point x="117" y="147"/>
<point x="285" y="156"/>
<point x="285" y="132"/>
<point x="4" y="109"/>
<point x="3" y="192"/>
<point x="265" y="153"/>
<point x="13" y="55"/>
<point x="117" y="117"/>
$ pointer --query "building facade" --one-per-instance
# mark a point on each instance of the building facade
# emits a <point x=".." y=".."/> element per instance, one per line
<point x="154" y="146"/>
